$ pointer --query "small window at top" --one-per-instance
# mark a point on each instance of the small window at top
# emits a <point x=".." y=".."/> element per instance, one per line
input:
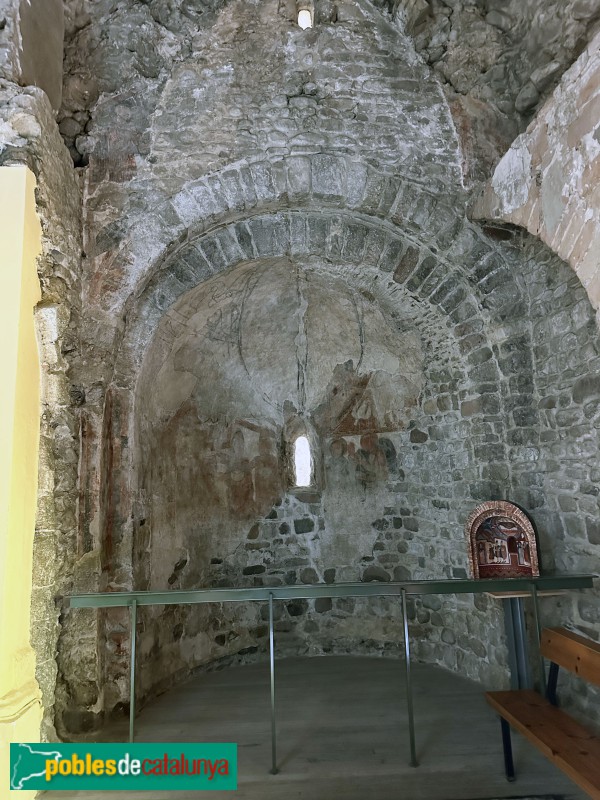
<point x="302" y="462"/>
<point x="305" y="19"/>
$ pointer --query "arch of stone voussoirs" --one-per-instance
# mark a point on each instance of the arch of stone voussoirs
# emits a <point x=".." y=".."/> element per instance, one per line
<point x="412" y="282"/>
<point x="469" y="279"/>
<point x="326" y="181"/>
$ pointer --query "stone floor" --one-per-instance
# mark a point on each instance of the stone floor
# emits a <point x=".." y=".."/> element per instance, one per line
<point x="342" y="734"/>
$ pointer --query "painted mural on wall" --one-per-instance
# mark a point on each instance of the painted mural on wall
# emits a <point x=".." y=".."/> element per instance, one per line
<point x="253" y="342"/>
<point x="231" y="363"/>
<point x="501" y="541"/>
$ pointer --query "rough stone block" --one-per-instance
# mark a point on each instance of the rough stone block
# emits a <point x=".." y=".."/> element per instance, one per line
<point x="245" y="240"/>
<point x="374" y="573"/>
<point x="207" y="202"/>
<point x="328" y="177"/>
<point x="318" y="234"/>
<point x="356" y="179"/>
<point x="374" y="187"/>
<point x="233" y="190"/>
<point x="211" y="251"/>
<point x="230" y="246"/>
<point x="423" y="272"/>
<point x="304" y="525"/>
<point x="309" y="575"/>
<point x="263" y="181"/>
<point x="247" y="186"/>
<point x="407" y="263"/>
<point x="390" y="256"/>
<point x="262" y="230"/>
<point x="374" y="246"/>
<point x="298" y="169"/>
<point x="354" y="243"/>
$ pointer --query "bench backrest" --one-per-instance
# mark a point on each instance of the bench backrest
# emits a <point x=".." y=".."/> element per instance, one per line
<point x="573" y="652"/>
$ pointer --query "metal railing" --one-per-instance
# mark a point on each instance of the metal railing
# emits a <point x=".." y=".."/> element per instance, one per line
<point x="132" y="600"/>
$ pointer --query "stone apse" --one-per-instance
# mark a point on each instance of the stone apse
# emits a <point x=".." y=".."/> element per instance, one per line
<point x="278" y="239"/>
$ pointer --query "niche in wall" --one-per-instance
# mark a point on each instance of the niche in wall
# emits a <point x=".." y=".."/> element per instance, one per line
<point x="242" y="369"/>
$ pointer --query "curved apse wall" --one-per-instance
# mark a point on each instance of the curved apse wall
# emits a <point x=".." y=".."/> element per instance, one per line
<point x="406" y="451"/>
<point x="230" y="368"/>
<point x="336" y="150"/>
<point x="503" y="341"/>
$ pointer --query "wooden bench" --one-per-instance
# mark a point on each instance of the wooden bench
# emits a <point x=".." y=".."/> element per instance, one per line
<point x="561" y="739"/>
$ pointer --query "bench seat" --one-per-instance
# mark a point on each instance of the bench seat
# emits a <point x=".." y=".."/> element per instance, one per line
<point x="559" y="737"/>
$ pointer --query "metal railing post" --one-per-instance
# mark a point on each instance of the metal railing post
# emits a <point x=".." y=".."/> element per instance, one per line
<point x="133" y="614"/>
<point x="409" y="699"/>
<point x="538" y="633"/>
<point x="274" y="769"/>
<point x="297" y="591"/>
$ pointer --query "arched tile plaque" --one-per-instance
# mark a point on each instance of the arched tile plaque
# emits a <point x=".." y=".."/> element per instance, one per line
<point x="501" y="541"/>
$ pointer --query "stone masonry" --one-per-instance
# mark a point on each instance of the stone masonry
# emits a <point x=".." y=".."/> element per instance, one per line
<point x="548" y="180"/>
<point x="191" y="374"/>
<point x="29" y="135"/>
<point x="254" y="231"/>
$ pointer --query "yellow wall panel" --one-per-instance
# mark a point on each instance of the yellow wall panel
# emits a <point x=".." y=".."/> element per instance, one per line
<point x="20" y="241"/>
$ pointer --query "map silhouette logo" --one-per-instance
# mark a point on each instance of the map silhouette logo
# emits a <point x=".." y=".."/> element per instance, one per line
<point x="28" y="761"/>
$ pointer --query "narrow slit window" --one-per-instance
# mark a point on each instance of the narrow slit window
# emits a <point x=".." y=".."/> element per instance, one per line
<point x="302" y="461"/>
<point x="305" y="19"/>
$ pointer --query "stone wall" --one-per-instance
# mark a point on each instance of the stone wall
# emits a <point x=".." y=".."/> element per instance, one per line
<point x="563" y="467"/>
<point x="493" y="420"/>
<point x="275" y="240"/>
<point x="547" y="182"/>
<point x="275" y="230"/>
<point x="154" y="184"/>
<point x="8" y="39"/>
<point x="227" y="371"/>
<point x="31" y="45"/>
<point x="470" y="438"/>
<point x="510" y="53"/>
<point x="497" y="61"/>
<point x="30" y="136"/>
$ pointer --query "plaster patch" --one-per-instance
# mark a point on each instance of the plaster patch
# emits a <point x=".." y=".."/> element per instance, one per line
<point x="7" y="135"/>
<point x="591" y="145"/>
<point x="553" y="202"/>
<point x="512" y="176"/>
